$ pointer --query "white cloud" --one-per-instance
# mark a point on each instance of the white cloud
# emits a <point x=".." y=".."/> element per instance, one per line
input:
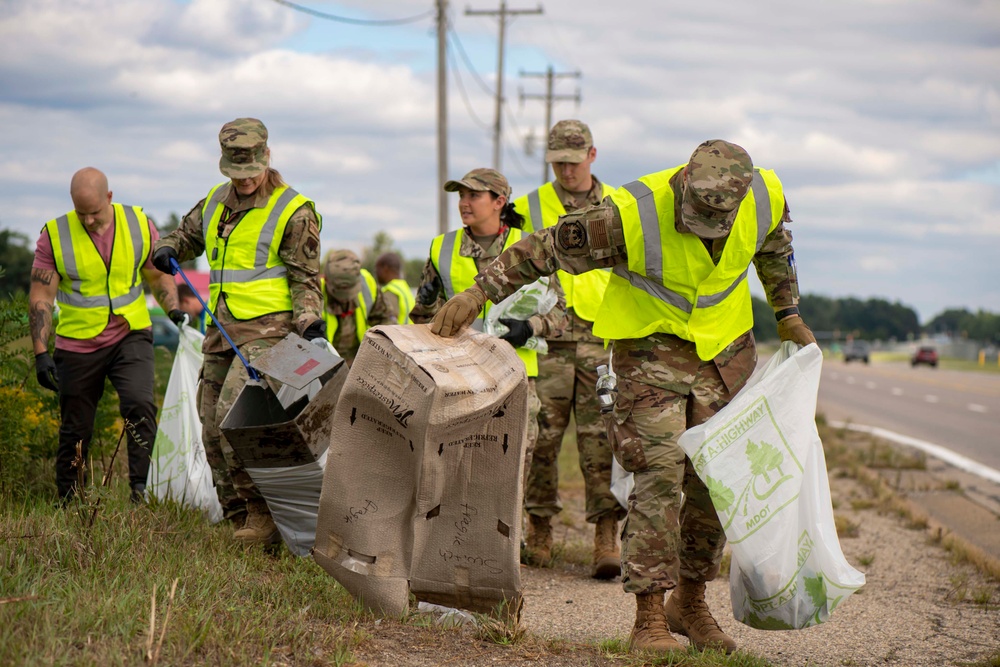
<point x="879" y="117"/>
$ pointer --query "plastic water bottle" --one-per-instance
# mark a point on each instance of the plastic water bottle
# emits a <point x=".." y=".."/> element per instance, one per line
<point x="607" y="388"/>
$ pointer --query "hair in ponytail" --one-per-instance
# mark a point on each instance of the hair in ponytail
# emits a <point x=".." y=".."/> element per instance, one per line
<point x="510" y="217"/>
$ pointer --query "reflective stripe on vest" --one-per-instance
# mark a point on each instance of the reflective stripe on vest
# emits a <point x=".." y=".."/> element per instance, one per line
<point x="670" y="283"/>
<point x="654" y="249"/>
<point x="252" y="288"/>
<point x="445" y="257"/>
<point x="584" y="292"/>
<point x="401" y="289"/>
<point x="88" y="289"/>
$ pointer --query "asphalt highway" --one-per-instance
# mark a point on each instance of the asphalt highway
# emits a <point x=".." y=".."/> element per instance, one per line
<point x="956" y="410"/>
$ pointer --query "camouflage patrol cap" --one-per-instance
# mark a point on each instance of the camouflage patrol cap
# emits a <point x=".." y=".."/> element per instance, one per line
<point x="244" y="148"/>
<point x="569" y="141"/>
<point x="482" y="180"/>
<point x="342" y="272"/>
<point x="716" y="180"/>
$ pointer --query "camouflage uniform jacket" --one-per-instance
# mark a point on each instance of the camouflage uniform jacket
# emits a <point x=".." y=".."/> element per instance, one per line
<point x="578" y="329"/>
<point x="661" y="359"/>
<point x="346" y="342"/>
<point x="299" y="250"/>
<point x="431" y="287"/>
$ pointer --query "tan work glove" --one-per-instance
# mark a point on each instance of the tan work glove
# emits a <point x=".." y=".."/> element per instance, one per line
<point x="458" y="312"/>
<point x="794" y="329"/>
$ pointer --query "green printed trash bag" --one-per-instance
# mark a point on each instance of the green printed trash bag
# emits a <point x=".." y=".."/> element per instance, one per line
<point x="528" y="300"/>
<point x="178" y="467"/>
<point x="762" y="461"/>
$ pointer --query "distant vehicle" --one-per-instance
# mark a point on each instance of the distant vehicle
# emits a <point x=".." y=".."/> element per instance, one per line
<point x="164" y="332"/>
<point x="857" y="350"/>
<point x="925" y="355"/>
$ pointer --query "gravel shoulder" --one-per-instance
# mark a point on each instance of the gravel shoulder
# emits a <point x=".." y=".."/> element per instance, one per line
<point x="921" y="606"/>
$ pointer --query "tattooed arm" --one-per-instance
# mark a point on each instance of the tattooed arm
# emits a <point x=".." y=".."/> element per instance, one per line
<point x="163" y="287"/>
<point x="41" y="297"/>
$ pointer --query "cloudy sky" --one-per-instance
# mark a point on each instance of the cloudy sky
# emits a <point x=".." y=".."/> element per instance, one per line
<point x="880" y="116"/>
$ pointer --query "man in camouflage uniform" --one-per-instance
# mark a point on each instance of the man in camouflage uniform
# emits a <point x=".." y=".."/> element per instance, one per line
<point x="259" y="291"/>
<point x="353" y="303"/>
<point x="678" y="310"/>
<point x="567" y="375"/>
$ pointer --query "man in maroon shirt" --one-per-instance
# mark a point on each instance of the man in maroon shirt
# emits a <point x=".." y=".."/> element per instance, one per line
<point x="90" y="260"/>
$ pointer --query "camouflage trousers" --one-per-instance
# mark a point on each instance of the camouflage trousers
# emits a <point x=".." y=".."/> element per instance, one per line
<point x="222" y="377"/>
<point x="663" y="538"/>
<point x="567" y="376"/>
<point x="532" y="437"/>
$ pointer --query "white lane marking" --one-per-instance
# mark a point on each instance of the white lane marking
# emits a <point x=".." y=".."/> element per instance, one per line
<point x="931" y="398"/>
<point x="896" y="391"/>
<point x="937" y="451"/>
<point x="850" y="379"/>
<point x="975" y="407"/>
<point x="869" y="385"/>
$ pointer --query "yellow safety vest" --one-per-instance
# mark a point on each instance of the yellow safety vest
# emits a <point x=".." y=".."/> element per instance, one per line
<point x="670" y="284"/>
<point x="88" y="290"/>
<point x="458" y="273"/>
<point x="246" y="265"/>
<point x="368" y="291"/>
<point x="402" y="291"/>
<point x="584" y="292"/>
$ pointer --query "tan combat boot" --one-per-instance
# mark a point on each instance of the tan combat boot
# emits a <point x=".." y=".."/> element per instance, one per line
<point x="259" y="527"/>
<point x="607" y="557"/>
<point x="650" y="630"/>
<point x="538" y="550"/>
<point x="687" y="614"/>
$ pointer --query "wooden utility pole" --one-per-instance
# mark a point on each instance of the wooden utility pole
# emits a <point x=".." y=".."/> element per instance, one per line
<point x="503" y="13"/>
<point x="442" y="113"/>
<point x="549" y="98"/>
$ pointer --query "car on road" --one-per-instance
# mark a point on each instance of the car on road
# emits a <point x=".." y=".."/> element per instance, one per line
<point x="925" y="355"/>
<point x="857" y="350"/>
<point x="164" y="332"/>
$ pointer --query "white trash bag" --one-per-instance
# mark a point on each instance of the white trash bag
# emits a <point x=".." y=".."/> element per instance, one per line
<point x="622" y="483"/>
<point x="528" y="300"/>
<point x="762" y="461"/>
<point x="292" y="495"/>
<point x="178" y="468"/>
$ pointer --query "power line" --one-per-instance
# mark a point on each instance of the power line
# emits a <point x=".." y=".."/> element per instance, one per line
<point x="503" y="12"/>
<point x="465" y="96"/>
<point x="344" y="19"/>
<point x="468" y="63"/>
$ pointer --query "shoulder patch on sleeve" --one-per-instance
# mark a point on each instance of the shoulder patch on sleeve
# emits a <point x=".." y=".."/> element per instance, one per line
<point x="572" y="235"/>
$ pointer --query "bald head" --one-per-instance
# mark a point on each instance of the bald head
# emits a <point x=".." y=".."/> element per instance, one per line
<point x="92" y="199"/>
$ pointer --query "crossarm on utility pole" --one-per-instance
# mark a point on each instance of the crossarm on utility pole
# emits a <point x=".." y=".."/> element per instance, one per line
<point x="503" y="13"/>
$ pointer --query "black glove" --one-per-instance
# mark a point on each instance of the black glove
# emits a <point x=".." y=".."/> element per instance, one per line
<point x="179" y="317"/>
<point x="520" y="331"/>
<point x="162" y="257"/>
<point x="45" y="371"/>
<point x="428" y="293"/>
<point x="315" y="330"/>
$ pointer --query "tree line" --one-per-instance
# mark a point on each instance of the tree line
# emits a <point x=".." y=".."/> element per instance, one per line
<point x="837" y="319"/>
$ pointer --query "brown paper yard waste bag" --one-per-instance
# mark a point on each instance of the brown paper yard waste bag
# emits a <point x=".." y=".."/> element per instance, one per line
<point x="422" y="488"/>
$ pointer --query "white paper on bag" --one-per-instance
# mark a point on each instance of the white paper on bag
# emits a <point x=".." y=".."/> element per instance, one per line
<point x="178" y="468"/>
<point x="762" y="461"/>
